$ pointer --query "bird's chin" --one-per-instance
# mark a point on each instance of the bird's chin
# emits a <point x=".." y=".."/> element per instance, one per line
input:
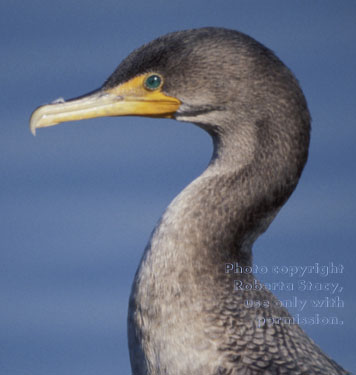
<point x="204" y="116"/>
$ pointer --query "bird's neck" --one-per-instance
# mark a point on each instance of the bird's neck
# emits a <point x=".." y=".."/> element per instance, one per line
<point x="218" y="216"/>
<point x="212" y="222"/>
<point x="183" y="268"/>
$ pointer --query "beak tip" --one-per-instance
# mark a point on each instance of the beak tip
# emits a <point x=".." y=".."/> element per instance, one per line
<point x="33" y="124"/>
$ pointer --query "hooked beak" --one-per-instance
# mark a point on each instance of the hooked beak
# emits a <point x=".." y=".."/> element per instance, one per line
<point x="130" y="98"/>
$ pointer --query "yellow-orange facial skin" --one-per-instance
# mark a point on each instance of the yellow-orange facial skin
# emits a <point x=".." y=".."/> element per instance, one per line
<point x="131" y="98"/>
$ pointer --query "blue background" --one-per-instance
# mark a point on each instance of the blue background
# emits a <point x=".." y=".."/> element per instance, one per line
<point x="78" y="201"/>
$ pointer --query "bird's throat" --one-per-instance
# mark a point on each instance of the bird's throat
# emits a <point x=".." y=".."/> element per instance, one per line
<point x="183" y="268"/>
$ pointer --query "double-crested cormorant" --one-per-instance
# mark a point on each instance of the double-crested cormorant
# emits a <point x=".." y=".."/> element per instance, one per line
<point x="185" y="317"/>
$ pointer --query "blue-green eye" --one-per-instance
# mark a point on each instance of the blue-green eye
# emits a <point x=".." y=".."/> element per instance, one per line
<point x="153" y="82"/>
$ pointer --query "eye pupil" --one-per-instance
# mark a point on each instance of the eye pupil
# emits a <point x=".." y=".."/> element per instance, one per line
<point x="153" y="82"/>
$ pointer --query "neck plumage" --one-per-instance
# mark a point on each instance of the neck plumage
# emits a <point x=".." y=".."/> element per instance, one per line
<point x="213" y="221"/>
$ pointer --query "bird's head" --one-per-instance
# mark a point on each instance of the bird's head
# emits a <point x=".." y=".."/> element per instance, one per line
<point x="199" y="76"/>
<point x="223" y="81"/>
